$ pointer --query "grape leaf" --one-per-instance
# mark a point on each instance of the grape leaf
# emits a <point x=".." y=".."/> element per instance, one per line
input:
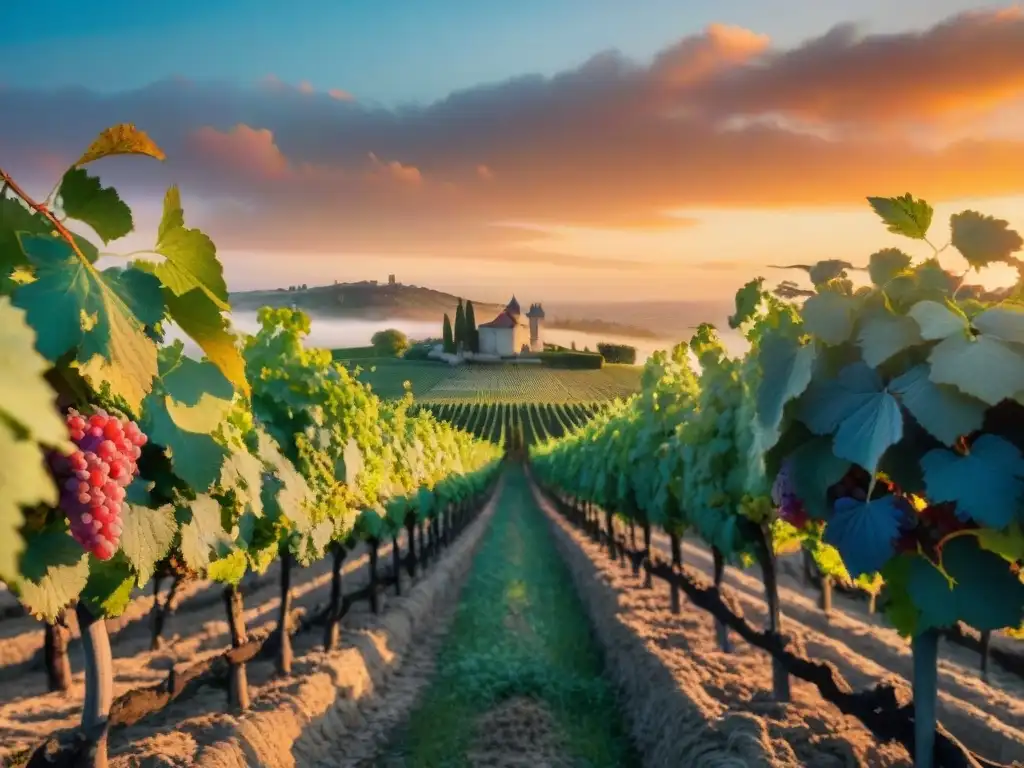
<point x="244" y="472"/>
<point x="830" y="316"/>
<point x="121" y="139"/>
<point x="187" y="381"/>
<point x="1004" y="322"/>
<point x="938" y="321"/>
<point x="943" y="411"/>
<point x="25" y="396"/>
<point x="983" y="240"/>
<point x="202" y="321"/>
<point x="982" y="366"/>
<point x="904" y="215"/>
<point x="190" y="256"/>
<point x="1008" y="544"/>
<point x="884" y="265"/>
<point x="350" y="464"/>
<point x="988" y="593"/>
<point x="24" y="481"/>
<point x="864" y="417"/>
<point x="786" y="368"/>
<point x="72" y="305"/>
<point x="202" y="532"/>
<point x="146" y="537"/>
<point x="933" y="595"/>
<point x="110" y="585"/>
<point x="883" y="334"/>
<point x="54" y="570"/>
<point x="228" y="569"/>
<point x="987" y="484"/>
<point x="813" y="469"/>
<point x="85" y="199"/>
<point x="865" y="532"/>
<point x="196" y="457"/>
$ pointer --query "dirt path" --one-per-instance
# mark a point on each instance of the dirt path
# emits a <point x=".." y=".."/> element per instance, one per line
<point x="517" y="680"/>
<point x="987" y="716"/>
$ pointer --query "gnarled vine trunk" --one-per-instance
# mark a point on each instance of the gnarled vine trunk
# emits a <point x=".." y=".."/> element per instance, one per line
<point x="333" y="629"/>
<point x="766" y="559"/>
<point x="396" y="564"/>
<point x="676" y="545"/>
<point x="55" y="653"/>
<point x="374" y="545"/>
<point x="721" y="631"/>
<point x="238" y="686"/>
<point x="284" y="652"/>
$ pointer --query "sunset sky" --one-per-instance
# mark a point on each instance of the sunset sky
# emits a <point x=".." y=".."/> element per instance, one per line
<point x="561" y="149"/>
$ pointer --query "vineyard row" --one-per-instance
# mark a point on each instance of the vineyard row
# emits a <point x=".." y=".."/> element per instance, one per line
<point x="514" y="425"/>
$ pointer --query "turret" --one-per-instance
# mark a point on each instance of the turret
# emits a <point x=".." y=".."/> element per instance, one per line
<point x="536" y="315"/>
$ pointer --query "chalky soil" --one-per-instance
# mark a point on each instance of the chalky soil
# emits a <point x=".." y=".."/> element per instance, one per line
<point x="517" y="679"/>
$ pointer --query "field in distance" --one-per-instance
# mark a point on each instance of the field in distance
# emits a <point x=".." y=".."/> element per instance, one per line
<point x="436" y="383"/>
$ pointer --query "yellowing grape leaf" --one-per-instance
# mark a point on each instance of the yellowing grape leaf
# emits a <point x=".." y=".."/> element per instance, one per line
<point x="85" y="199"/>
<point x="191" y="257"/>
<point x="121" y="139"/>
<point x="101" y="314"/>
<point x="197" y="315"/>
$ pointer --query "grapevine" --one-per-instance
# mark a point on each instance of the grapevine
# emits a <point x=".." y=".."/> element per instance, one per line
<point x="879" y="427"/>
<point x="128" y="461"/>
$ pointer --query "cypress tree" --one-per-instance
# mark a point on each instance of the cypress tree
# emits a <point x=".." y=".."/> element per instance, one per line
<point x="449" y="340"/>
<point x="471" y="334"/>
<point x="460" y="326"/>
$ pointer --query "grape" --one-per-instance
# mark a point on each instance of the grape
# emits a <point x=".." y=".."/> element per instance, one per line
<point x="791" y="508"/>
<point x="94" y="477"/>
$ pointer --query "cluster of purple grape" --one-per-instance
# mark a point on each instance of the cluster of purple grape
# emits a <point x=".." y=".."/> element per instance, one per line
<point x="94" y="477"/>
<point x="791" y="508"/>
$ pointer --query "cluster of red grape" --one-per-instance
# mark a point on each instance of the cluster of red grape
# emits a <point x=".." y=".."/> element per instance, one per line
<point x="94" y="477"/>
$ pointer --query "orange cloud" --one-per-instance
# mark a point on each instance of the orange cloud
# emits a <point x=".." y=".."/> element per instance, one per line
<point x="718" y="119"/>
<point x="340" y="95"/>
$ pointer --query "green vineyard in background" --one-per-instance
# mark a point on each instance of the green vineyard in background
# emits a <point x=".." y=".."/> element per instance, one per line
<point x="516" y="425"/>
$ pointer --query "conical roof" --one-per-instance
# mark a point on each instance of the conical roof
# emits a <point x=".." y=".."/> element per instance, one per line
<point x="513" y="307"/>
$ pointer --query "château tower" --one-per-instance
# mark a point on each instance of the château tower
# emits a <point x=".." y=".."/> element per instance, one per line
<point x="536" y="316"/>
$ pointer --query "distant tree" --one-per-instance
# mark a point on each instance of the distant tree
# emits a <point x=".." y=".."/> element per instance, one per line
<point x="617" y="353"/>
<point x="460" y="326"/>
<point x="471" y="333"/>
<point x="574" y="345"/>
<point x="390" y="343"/>
<point x="449" y="339"/>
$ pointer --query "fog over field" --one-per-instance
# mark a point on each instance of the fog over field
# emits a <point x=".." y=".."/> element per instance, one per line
<point x="332" y="333"/>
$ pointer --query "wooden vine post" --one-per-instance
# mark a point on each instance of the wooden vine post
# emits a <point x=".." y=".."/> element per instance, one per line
<point x="925" y="651"/>
<point x="410" y="535"/>
<point x="721" y="631"/>
<point x="332" y="630"/>
<point x="676" y="545"/>
<point x="396" y="564"/>
<point x="374" y="545"/>
<point x="99" y="685"/>
<point x="766" y="559"/>
<point x="284" y="653"/>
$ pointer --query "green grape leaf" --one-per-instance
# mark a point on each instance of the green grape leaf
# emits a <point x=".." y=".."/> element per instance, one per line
<point x="827" y="270"/>
<point x="146" y="537"/>
<point x="1008" y="544"/>
<point x="72" y="305"/>
<point x="983" y="367"/>
<point x="830" y="316"/>
<point x="864" y="417"/>
<point x="23" y="481"/>
<point x="25" y="396"/>
<point x="813" y="469"/>
<point x="188" y="381"/>
<point x="987" y="484"/>
<point x="190" y="257"/>
<point x="202" y="532"/>
<point x="244" y="472"/>
<point x="16" y="217"/>
<point x="947" y="414"/>
<point x="201" y="319"/>
<point x="884" y="265"/>
<point x="110" y="585"/>
<point x="900" y="608"/>
<point x="983" y="240"/>
<point x="196" y="457"/>
<point x="939" y="321"/>
<point x="349" y="464"/>
<point x="121" y="139"/>
<point x="865" y="532"/>
<point x="54" y="570"/>
<point x="1004" y="322"/>
<point x="988" y="593"/>
<point x="933" y="595"/>
<point x="228" y="569"/>
<point x="883" y="334"/>
<point x="904" y="215"/>
<point x="204" y="417"/>
<point x="786" y="368"/>
<point x="85" y="199"/>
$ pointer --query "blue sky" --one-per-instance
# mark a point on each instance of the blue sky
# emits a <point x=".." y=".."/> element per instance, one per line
<point x="386" y="51"/>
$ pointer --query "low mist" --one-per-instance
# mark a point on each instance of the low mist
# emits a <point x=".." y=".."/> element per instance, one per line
<point x="333" y="333"/>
